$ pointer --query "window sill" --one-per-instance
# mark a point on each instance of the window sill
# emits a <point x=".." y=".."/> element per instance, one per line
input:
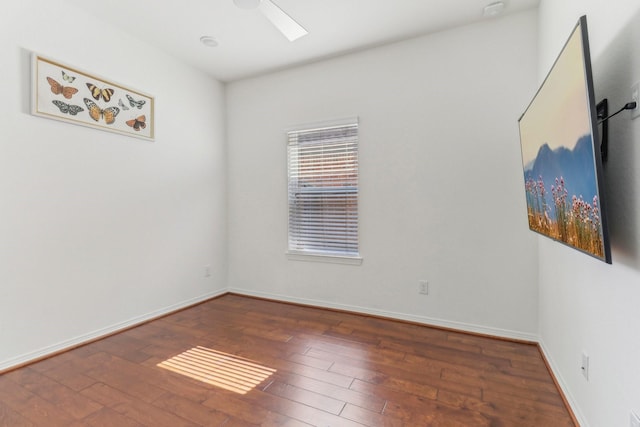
<point x="333" y="259"/>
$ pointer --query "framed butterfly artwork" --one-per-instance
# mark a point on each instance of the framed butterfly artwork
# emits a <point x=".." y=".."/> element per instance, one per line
<point x="62" y="92"/>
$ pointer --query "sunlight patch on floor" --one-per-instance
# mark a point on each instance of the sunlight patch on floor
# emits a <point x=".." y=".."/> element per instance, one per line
<point x="219" y="369"/>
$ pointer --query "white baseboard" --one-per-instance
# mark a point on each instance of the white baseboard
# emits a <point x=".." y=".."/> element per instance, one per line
<point x="108" y="330"/>
<point x="563" y="385"/>
<point x="428" y="321"/>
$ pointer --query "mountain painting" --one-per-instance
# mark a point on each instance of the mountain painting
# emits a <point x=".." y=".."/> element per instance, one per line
<point x="562" y="196"/>
<point x="559" y="162"/>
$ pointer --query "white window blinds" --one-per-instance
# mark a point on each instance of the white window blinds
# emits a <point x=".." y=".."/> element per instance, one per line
<point x="323" y="190"/>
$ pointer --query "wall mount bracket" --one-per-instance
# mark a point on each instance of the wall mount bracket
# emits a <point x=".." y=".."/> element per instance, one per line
<point x="602" y="114"/>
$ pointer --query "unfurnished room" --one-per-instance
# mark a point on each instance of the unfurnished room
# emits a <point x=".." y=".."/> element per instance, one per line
<point x="320" y="213"/>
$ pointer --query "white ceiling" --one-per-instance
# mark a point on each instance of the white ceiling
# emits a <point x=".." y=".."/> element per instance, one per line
<point x="249" y="44"/>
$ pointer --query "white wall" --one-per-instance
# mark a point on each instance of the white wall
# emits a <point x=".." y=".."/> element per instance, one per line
<point x="585" y="305"/>
<point x="440" y="177"/>
<point x="99" y="230"/>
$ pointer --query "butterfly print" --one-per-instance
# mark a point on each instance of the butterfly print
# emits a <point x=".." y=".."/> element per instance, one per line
<point x="97" y="92"/>
<point x="57" y="89"/>
<point x="67" y="108"/>
<point x="137" y="123"/>
<point x="121" y="104"/>
<point x="109" y="114"/>
<point x="67" y="78"/>
<point x="135" y="103"/>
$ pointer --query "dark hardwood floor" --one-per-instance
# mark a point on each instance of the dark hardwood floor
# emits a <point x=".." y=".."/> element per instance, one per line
<point x="238" y="361"/>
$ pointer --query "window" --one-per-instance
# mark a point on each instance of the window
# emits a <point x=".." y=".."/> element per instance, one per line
<point x="323" y="190"/>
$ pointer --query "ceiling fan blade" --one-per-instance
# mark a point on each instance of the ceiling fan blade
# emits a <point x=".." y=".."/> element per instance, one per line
<point x="278" y="17"/>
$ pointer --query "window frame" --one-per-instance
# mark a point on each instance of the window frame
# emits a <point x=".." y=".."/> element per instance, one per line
<point x="324" y="255"/>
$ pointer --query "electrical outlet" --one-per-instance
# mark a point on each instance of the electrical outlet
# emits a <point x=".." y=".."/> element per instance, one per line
<point x="423" y="287"/>
<point x="635" y="96"/>
<point x="635" y="420"/>
<point x="585" y="366"/>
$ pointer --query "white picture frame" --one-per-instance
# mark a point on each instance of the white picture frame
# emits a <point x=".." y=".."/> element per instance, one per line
<point x="63" y="92"/>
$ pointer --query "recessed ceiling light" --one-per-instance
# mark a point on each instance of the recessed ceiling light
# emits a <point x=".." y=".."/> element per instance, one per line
<point x="208" y="41"/>
<point x="493" y="9"/>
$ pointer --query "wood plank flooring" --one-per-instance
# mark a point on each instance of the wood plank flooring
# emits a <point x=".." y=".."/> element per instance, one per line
<point x="313" y="367"/>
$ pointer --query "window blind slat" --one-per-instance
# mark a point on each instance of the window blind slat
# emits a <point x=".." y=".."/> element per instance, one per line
<point x="323" y="190"/>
